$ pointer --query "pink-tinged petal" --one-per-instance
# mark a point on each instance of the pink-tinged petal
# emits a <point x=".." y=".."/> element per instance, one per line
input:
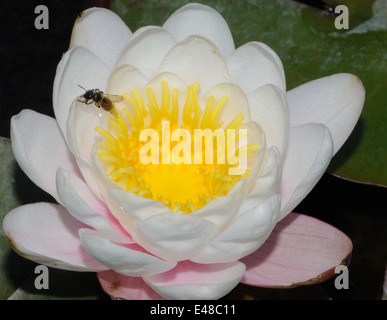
<point x="146" y="49"/>
<point x="40" y="149"/>
<point x="191" y="281"/>
<point x="301" y="250"/>
<point x="78" y="66"/>
<point x="84" y="206"/>
<point x="102" y="32"/>
<point x="121" y="287"/>
<point x="46" y="233"/>
<point x="307" y="156"/>
<point x="255" y="64"/>
<point x="245" y="235"/>
<point x="197" y="19"/>
<point x="268" y="107"/>
<point x="335" y="101"/>
<point x="129" y="259"/>
<point x="174" y="236"/>
<point x="196" y="59"/>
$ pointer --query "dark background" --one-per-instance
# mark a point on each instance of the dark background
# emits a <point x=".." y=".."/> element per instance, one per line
<point x="28" y="62"/>
<point x="29" y="56"/>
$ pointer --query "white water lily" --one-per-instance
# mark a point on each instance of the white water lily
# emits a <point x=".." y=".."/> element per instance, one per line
<point x="180" y="231"/>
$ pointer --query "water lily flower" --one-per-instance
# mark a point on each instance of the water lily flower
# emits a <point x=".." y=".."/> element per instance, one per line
<point x="176" y="230"/>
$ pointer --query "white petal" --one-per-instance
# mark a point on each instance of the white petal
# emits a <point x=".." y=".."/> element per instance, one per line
<point x="335" y="101"/>
<point x="174" y="236"/>
<point x="124" y="79"/>
<point x="215" y="211"/>
<point x="46" y="233"/>
<point x="255" y="64"/>
<point x="78" y="67"/>
<point x="129" y="208"/>
<point x="146" y="49"/>
<point x="102" y="32"/>
<point x="257" y="137"/>
<point x="196" y="59"/>
<point x="40" y="149"/>
<point x="81" y="124"/>
<point x="128" y="260"/>
<point x="236" y="104"/>
<point x="84" y="206"/>
<point x="197" y="19"/>
<point x="243" y="236"/>
<point x="82" y="137"/>
<point x="308" y="154"/>
<point x="267" y="181"/>
<point x="191" y="281"/>
<point x="268" y="107"/>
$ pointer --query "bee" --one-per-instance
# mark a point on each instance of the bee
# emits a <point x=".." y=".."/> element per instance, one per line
<point x="101" y="100"/>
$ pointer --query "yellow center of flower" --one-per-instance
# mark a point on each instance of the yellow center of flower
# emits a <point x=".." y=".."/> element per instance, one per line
<point x="183" y="159"/>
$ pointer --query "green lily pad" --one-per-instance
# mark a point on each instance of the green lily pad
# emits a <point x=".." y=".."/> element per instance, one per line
<point x="310" y="47"/>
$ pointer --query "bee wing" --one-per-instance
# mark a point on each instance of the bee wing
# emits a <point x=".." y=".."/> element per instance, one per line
<point x="114" y="98"/>
<point x="114" y="112"/>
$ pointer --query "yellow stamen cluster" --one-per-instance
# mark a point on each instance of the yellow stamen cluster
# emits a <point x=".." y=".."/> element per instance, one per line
<point x="182" y="187"/>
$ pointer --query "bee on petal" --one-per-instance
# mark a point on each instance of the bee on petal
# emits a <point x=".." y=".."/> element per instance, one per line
<point x="101" y="100"/>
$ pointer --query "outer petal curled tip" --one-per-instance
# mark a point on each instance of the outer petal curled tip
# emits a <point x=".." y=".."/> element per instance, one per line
<point x="121" y="287"/>
<point x="301" y="250"/>
<point x="307" y="156"/>
<point x="46" y="233"/>
<point x="102" y="32"/>
<point x="198" y="19"/>
<point x="189" y="280"/>
<point x="335" y="101"/>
